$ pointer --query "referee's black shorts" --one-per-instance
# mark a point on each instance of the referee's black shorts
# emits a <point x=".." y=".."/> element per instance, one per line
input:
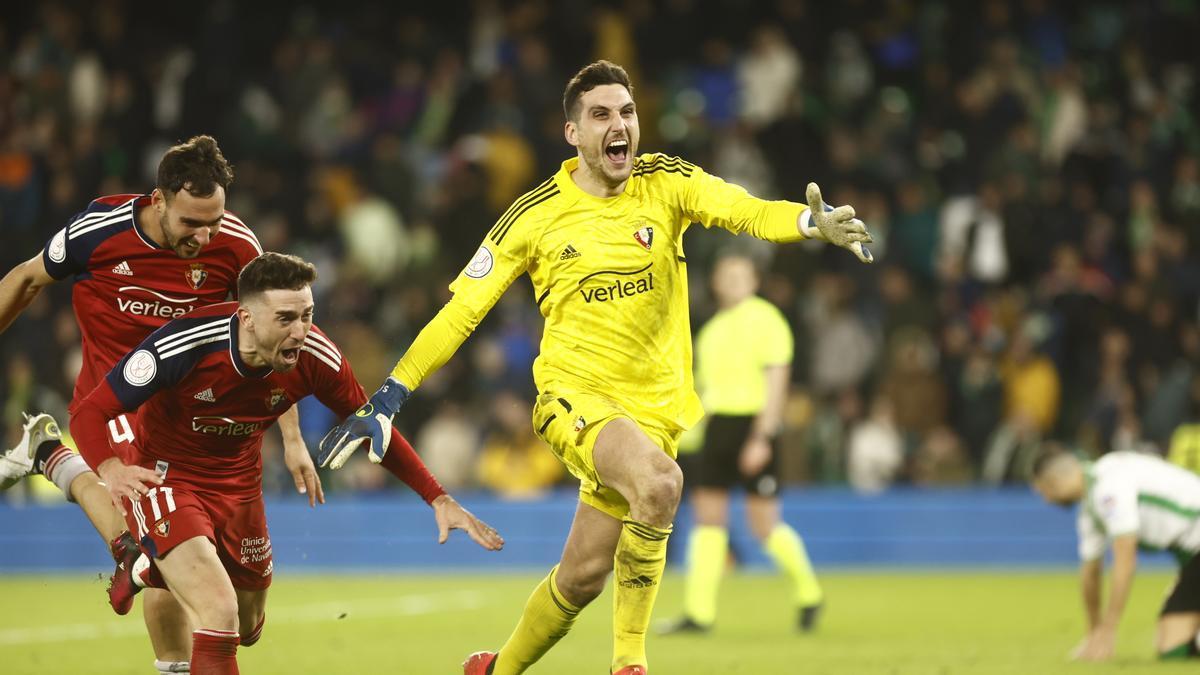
<point x="717" y="464"/>
<point x="1185" y="597"/>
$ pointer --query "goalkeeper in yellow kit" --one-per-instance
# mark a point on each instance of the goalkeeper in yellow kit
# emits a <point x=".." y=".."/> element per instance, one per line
<point x="602" y="241"/>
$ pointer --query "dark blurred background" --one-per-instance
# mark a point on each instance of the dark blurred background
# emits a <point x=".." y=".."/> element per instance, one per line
<point x="1029" y="170"/>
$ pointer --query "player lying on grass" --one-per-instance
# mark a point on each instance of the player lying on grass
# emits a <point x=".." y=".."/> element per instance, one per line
<point x="602" y="242"/>
<point x="206" y="386"/>
<point x="1129" y="500"/>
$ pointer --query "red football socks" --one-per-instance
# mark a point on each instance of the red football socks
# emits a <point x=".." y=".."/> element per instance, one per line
<point x="214" y="652"/>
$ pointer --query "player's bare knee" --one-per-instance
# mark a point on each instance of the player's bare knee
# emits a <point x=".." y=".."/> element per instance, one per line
<point x="219" y="611"/>
<point x="660" y="490"/>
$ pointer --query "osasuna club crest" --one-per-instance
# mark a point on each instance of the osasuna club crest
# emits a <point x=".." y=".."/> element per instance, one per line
<point x="277" y="396"/>
<point x="196" y="275"/>
<point x="163" y="528"/>
<point x="645" y="237"/>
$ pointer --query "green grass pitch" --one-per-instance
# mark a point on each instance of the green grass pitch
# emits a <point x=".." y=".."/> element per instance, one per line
<point x="927" y="623"/>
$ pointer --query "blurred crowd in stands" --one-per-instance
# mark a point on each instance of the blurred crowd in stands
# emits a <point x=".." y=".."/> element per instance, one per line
<point x="1030" y="171"/>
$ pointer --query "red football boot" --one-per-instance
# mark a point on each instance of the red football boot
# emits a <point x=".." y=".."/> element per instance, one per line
<point x="121" y="587"/>
<point x="479" y="663"/>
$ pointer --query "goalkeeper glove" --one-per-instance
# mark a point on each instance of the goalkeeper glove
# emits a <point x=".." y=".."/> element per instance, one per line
<point x="370" y="424"/>
<point x="836" y="226"/>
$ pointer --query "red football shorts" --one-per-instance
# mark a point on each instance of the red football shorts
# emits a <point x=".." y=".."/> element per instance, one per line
<point x="168" y="516"/>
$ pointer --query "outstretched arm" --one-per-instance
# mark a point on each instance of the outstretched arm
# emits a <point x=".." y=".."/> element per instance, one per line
<point x="337" y="388"/>
<point x="716" y="203"/>
<point x="19" y="287"/>
<point x="1102" y="639"/>
<point x="476" y="291"/>
<point x="1091" y="574"/>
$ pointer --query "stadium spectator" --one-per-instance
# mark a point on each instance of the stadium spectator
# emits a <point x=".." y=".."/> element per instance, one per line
<point x="1078" y="121"/>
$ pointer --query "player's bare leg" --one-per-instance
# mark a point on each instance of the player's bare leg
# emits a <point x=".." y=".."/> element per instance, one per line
<point x="202" y="586"/>
<point x="96" y="502"/>
<point x="252" y="614"/>
<point x="41" y="449"/>
<point x="587" y="557"/>
<point x="1176" y="637"/>
<point x="168" y="626"/>
<point x="627" y="460"/>
<point x="786" y="549"/>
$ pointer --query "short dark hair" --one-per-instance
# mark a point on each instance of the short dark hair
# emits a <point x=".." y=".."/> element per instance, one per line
<point x="197" y="165"/>
<point x="275" y="271"/>
<point x="1046" y="456"/>
<point x="588" y="78"/>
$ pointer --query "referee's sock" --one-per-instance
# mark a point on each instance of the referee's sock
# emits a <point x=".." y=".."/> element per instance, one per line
<point x="786" y="549"/>
<point x="707" y="551"/>
<point x="546" y="619"/>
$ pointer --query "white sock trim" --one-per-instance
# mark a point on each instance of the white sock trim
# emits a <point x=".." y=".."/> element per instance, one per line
<point x="66" y="471"/>
<point x="168" y="667"/>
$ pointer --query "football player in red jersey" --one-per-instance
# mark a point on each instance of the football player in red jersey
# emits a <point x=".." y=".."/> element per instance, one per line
<point x="137" y="261"/>
<point x="207" y="386"/>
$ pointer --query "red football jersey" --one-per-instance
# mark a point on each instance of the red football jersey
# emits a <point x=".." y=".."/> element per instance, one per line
<point x="202" y="411"/>
<point x="126" y="285"/>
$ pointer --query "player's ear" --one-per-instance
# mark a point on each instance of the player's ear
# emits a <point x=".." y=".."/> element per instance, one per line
<point x="245" y="317"/>
<point x="571" y="133"/>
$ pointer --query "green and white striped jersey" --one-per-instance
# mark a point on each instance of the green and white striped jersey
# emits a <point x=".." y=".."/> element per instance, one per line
<point x="1130" y="492"/>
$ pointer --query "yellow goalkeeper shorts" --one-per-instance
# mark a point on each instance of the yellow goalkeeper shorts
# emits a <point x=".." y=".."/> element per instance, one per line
<point x="569" y="423"/>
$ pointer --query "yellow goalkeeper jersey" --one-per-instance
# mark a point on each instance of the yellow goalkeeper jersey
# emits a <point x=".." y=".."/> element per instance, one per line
<point x="610" y="278"/>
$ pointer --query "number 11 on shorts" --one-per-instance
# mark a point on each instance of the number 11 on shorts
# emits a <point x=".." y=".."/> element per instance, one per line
<point x="168" y="498"/>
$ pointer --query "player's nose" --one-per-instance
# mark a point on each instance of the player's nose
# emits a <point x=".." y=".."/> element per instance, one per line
<point x="203" y="236"/>
<point x="299" y="331"/>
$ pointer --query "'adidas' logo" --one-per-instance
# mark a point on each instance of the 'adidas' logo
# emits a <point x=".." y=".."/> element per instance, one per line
<point x="642" y="581"/>
<point x="123" y="268"/>
<point x="206" y="396"/>
<point x="569" y="252"/>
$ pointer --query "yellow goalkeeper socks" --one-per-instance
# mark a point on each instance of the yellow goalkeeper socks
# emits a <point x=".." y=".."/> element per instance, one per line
<point x="547" y="618"/>
<point x="638" y="570"/>
<point x="708" y="548"/>
<point x="786" y="549"/>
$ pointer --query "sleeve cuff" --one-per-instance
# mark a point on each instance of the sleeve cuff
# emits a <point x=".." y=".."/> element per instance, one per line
<point x="807" y="229"/>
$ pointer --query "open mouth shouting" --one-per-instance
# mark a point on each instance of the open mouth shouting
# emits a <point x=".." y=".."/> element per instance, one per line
<point x="617" y="153"/>
<point x="290" y="356"/>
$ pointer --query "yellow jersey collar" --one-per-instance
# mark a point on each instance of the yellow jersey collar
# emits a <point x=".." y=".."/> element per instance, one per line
<point x="568" y="187"/>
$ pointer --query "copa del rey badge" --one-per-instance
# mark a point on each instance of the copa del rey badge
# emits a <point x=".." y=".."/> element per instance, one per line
<point x="645" y="237"/>
<point x="196" y="275"/>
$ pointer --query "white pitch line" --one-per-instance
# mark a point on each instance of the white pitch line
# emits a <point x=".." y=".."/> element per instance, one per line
<point x="405" y="605"/>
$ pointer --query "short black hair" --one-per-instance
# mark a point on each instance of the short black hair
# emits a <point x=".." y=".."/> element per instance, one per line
<point x="588" y="78"/>
<point x="275" y="271"/>
<point x="1046" y="456"/>
<point x="197" y="165"/>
